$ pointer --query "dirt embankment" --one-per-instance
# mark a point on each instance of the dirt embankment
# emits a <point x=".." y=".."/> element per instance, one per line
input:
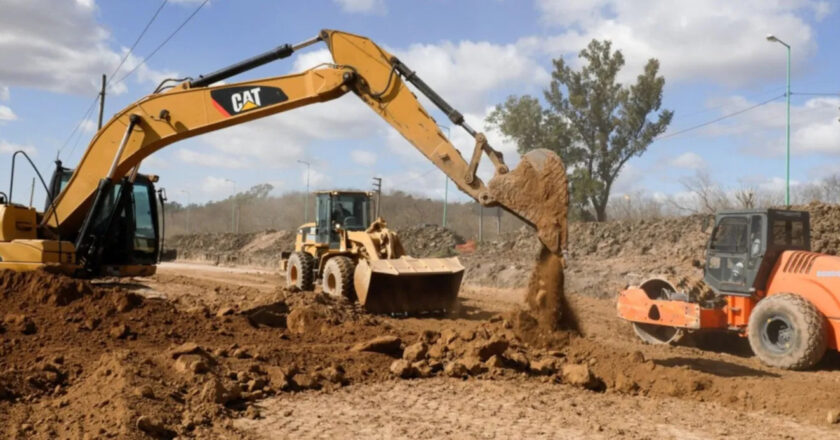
<point x="263" y="249"/>
<point x="81" y="360"/>
<point x="260" y="249"/>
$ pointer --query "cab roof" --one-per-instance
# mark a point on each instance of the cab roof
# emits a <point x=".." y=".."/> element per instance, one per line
<point x="351" y="193"/>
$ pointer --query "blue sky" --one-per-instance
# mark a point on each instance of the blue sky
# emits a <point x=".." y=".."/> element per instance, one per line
<point x="475" y="53"/>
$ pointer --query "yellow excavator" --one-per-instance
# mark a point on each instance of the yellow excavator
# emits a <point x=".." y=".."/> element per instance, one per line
<point x="102" y="218"/>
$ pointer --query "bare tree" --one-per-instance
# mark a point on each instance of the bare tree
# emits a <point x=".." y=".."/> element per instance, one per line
<point x="708" y="196"/>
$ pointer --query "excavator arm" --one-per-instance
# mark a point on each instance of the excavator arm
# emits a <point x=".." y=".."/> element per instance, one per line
<point x="535" y="191"/>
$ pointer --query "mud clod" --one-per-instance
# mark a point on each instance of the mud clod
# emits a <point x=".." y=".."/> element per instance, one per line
<point x="391" y="345"/>
<point x="415" y="352"/>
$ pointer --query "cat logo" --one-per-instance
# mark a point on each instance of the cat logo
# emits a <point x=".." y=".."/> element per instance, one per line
<point x="246" y="100"/>
<point x="234" y="100"/>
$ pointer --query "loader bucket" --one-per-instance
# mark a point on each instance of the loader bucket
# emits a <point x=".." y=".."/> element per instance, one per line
<point x="408" y="285"/>
<point x="536" y="192"/>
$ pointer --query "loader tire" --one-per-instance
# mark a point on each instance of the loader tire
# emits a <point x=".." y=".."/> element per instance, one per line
<point x="338" y="277"/>
<point x="300" y="272"/>
<point x="787" y="331"/>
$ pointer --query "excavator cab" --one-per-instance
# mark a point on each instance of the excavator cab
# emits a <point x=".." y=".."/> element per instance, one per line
<point x="128" y="226"/>
<point x="745" y="246"/>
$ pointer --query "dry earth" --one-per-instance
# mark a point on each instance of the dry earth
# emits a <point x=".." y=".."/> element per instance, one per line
<point x="651" y="392"/>
<point x="201" y="351"/>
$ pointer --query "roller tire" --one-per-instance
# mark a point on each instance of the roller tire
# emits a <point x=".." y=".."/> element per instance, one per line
<point x="300" y="272"/>
<point x="787" y="331"/>
<point x="338" y="277"/>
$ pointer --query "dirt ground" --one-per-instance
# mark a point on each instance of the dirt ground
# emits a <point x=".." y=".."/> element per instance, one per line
<point x="648" y="392"/>
<point x="205" y="351"/>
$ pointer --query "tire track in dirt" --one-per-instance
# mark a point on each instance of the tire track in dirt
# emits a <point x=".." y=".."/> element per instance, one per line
<point x="448" y="408"/>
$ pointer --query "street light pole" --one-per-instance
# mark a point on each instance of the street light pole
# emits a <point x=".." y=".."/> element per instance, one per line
<point x="773" y="38"/>
<point x="306" y="195"/>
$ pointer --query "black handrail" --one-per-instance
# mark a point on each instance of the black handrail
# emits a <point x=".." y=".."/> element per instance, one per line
<point x="44" y="184"/>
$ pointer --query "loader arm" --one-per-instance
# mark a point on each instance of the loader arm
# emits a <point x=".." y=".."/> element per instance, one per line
<point x="535" y="191"/>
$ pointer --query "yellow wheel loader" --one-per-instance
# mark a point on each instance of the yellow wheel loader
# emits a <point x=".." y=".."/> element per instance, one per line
<point x="363" y="260"/>
<point x="102" y="218"/>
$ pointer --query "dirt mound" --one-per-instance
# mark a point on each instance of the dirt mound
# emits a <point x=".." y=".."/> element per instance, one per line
<point x="261" y="249"/>
<point x="96" y="360"/>
<point x="429" y="241"/>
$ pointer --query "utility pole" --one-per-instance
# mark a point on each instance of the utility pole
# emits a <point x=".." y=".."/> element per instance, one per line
<point x="306" y="195"/>
<point x="772" y="38"/>
<point x="101" y="102"/>
<point x="377" y="186"/>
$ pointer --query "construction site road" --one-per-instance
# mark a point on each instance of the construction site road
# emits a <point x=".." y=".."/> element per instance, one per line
<point x="652" y="391"/>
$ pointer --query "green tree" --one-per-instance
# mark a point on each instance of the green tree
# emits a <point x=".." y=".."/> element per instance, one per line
<point x="593" y="122"/>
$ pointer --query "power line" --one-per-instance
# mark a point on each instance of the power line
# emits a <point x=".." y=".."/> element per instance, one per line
<point x="720" y="106"/>
<point x="165" y="41"/>
<point x="718" y="119"/>
<point x="76" y="128"/>
<point x="110" y="78"/>
<point x="139" y="37"/>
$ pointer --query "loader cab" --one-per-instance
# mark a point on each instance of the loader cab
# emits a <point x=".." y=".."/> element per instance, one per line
<point x="348" y="210"/>
<point x="745" y="245"/>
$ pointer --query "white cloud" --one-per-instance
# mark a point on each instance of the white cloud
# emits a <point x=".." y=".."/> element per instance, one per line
<point x="363" y="157"/>
<point x="821" y="132"/>
<point x="217" y="186"/>
<point x="88" y="126"/>
<point x="717" y="40"/>
<point x="9" y="148"/>
<point x="466" y="73"/>
<point x="813" y="123"/>
<point x="6" y="114"/>
<point x="628" y="181"/>
<point x="424" y="180"/>
<point x="462" y="141"/>
<point x="280" y="140"/>
<point x="210" y="159"/>
<point x="58" y="46"/>
<point x="362" y="6"/>
<point x="307" y="60"/>
<point x="4" y="93"/>
<point x="688" y="160"/>
<point x="317" y="179"/>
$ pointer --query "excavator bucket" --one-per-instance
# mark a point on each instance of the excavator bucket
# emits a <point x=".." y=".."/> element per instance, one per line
<point x="536" y="191"/>
<point x="408" y="285"/>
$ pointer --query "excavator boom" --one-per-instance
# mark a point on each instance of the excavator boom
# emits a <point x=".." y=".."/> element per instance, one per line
<point x="534" y="191"/>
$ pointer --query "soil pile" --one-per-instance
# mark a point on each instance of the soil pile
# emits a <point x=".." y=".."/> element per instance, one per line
<point x="429" y="241"/>
<point x="260" y="249"/>
<point x="82" y="360"/>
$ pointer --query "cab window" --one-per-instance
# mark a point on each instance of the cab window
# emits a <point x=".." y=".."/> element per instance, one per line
<point x="788" y="232"/>
<point x="731" y="235"/>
